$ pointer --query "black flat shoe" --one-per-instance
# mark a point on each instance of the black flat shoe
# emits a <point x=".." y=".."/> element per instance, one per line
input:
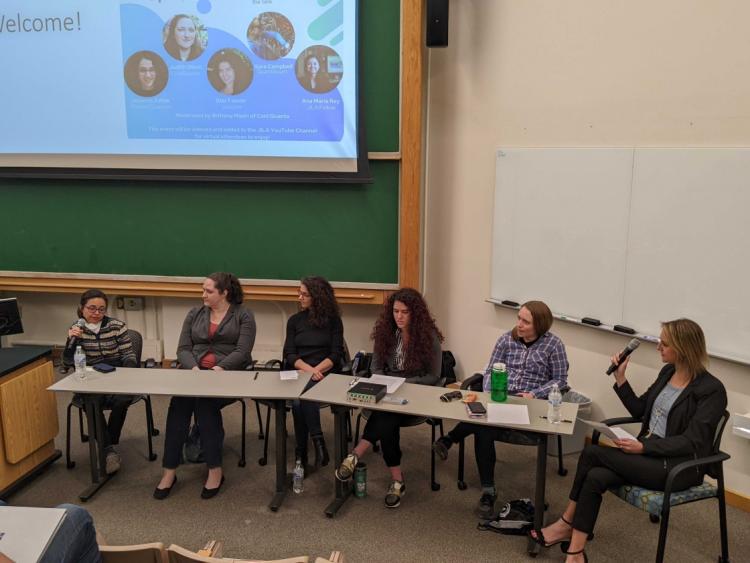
<point x="161" y="494"/>
<point x="321" y="452"/>
<point x="211" y="493"/>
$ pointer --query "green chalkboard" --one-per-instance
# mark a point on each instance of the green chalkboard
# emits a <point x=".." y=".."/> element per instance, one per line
<point x="276" y="231"/>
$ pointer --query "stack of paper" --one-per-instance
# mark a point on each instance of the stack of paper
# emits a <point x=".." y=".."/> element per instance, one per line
<point x="288" y="375"/>
<point x="392" y="383"/>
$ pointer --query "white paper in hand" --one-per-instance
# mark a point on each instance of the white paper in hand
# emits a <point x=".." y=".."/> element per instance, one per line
<point x="611" y="432"/>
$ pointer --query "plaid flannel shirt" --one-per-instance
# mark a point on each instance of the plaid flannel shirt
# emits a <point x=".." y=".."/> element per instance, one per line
<point x="533" y="369"/>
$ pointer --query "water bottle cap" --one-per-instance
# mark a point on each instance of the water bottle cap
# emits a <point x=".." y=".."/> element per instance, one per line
<point x="499" y="366"/>
<point x="79" y="349"/>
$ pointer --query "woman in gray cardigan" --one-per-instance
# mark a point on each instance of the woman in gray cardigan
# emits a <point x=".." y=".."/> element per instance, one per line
<point x="216" y="336"/>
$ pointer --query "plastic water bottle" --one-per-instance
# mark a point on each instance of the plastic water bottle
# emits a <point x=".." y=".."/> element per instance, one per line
<point x="79" y="361"/>
<point x="555" y="403"/>
<point x="499" y="383"/>
<point x="298" y="480"/>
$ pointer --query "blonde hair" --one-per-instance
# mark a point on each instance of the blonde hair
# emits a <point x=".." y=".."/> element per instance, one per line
<point x="687" y="340"/>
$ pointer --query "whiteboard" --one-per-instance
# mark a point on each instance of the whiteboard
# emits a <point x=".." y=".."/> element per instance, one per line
<point x="628" y="236"/>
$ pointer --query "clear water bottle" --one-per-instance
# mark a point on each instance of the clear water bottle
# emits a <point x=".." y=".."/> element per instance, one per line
<point x="298" y="480"/>
<point x="79" y="361"/>
<point x="555" y="403"/>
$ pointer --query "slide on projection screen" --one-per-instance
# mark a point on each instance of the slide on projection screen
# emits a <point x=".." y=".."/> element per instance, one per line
<point x="190" y="88"/>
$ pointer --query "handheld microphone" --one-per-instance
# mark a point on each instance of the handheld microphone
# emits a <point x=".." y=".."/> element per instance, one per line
<point x="632" y="345"/>
<point x="72" y="341"/>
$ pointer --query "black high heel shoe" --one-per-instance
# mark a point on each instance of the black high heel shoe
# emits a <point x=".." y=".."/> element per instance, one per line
<point x="321" y="452"/>
<point x="580" y="551"/>
<point x="211" y="493"/>
<point x="161" y="494"/>
<point x="539" y="538"/>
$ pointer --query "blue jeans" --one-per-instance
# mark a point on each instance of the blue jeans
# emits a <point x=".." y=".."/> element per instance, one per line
<point x="75" y="539"/>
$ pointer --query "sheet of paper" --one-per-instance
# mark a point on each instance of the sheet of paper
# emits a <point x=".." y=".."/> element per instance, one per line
<point x="288" y="374"/>
<point x="611" y="432"/>
<point x="25" y="532"/>
<point x="507" y="414"/>
<point x="393" y="383"/>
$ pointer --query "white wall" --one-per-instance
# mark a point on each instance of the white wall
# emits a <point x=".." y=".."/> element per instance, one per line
<point x="577" y="73"/>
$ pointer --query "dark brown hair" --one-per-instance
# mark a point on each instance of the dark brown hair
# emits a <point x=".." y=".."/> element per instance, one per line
<point x="541" y="317"/>
<point x="88" y="295"/>
<point x="225" y="281"/>
<point x="323" y="306"/>
<point x="422" y="330"/>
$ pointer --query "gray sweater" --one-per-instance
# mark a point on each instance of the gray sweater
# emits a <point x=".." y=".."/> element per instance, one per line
<point x="422" y="377"/>
<point x="232" y="343"/>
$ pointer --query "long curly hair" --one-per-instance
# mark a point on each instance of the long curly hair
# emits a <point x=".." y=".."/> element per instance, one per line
<point x="324" y="307"/>
<point x="422" y="329"/>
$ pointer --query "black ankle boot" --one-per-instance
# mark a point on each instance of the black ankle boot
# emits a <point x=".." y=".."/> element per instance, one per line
<point x="301" y="454"/>
<point x="321" y="452"/>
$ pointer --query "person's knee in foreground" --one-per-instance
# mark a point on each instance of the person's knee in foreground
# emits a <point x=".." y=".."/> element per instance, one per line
<point x="535" y="360"/>
<point x="679" y="414"/>
<point x="406" y="344"/>
<point x="217" y="336"/>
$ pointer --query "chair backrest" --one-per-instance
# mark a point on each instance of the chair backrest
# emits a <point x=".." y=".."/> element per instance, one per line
<point x="179" y="554"/>
<point x="720" y="431"/>
<point x="137" y="341"/>
<point x="143" y="553"/>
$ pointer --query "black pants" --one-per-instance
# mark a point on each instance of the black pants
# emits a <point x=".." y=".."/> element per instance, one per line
<point x="600" y="468"/>
<point x="208" y="417"/>
<point x="484" y="445"/>
<point x="117" y="405"/>
<point x="306" y="416"/>
<point x="386" y="427"/>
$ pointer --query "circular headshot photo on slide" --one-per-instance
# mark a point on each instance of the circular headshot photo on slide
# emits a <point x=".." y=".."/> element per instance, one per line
<point x="319" y="69"/>
<point x="270" y="35"/>
<point x="230" y="72"/>
<point x="146" y="73"/>
<point x="185" y="37"/>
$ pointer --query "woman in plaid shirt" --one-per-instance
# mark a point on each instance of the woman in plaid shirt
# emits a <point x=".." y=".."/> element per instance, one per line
<point x="535" y="360"/>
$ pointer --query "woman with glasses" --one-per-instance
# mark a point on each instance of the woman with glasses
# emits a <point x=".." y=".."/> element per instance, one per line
<point x="406" y="344"/>
<point x="679" y="414"/>
<point x="216" y="336"/>
<point x="104" y="340"/>
<point x="314" y="343"/>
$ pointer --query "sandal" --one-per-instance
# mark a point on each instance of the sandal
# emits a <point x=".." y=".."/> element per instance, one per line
<point x="539" y="538"/>
<point x="583" y="551"/>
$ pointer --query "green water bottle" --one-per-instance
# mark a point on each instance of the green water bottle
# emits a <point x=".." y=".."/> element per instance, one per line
<point x="360" y="480"/>
<point x="499" y="383"/>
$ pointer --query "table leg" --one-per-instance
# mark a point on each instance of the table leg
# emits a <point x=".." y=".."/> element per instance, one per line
<point x="343" y="490"/>
<point x="539" y="494"/>
<point x="282" y="479"/>
<point x="97" y="460"/>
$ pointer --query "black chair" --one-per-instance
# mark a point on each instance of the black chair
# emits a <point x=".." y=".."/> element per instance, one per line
<point x="474" y="383"/>
<point x="658" y="503"/>
<point x="416" y="421"/>
<point x="137" y="341"/>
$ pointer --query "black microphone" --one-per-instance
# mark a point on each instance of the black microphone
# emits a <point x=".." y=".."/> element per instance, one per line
<point x="72" y="341"/>
<point x="632" y="345"/>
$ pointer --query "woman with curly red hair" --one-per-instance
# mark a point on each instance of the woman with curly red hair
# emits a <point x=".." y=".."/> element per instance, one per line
<point x="407" y="344"/>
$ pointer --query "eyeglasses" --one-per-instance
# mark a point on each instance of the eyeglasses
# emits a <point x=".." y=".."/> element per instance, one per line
<point x="93" y="309"/>
<point x="302" y="294"/>
<point x="147" y="70"/>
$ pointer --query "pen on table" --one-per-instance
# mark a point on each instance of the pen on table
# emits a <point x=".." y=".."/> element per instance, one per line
<point x="353" y="382"/>
<point x="563" y="420"/>
<point x="256" y="376"/>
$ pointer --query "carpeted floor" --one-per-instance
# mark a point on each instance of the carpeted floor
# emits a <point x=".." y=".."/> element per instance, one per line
<point x="428" y="526"/>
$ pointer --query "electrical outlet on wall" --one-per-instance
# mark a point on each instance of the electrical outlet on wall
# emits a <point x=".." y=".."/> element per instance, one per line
<point x="133" y="303"/>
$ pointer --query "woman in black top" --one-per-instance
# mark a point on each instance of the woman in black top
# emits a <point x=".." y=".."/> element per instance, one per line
<point x="314" y="343"/>
<point x="407" y="344"/>
<point x="679" y="414"/>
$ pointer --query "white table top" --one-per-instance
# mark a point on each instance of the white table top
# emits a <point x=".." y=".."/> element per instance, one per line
<point x="186" y="383"/>
<point x="424" y="400"/>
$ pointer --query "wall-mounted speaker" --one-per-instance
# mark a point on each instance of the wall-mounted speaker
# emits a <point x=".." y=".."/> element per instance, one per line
<point x="437" y="23"/>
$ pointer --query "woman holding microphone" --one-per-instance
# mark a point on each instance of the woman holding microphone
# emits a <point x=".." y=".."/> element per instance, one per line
<point x="679" y="414"/>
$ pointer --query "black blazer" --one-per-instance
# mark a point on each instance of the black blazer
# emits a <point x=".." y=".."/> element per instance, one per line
<point x="692" y="420"/>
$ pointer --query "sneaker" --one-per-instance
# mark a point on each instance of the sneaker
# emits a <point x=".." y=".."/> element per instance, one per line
<point x="394" y="494"/>
<point x="441" y="447"/>
<point x="346" y="469"/>
<point x="486" y="507"/>
<point x="112" y="462"/>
